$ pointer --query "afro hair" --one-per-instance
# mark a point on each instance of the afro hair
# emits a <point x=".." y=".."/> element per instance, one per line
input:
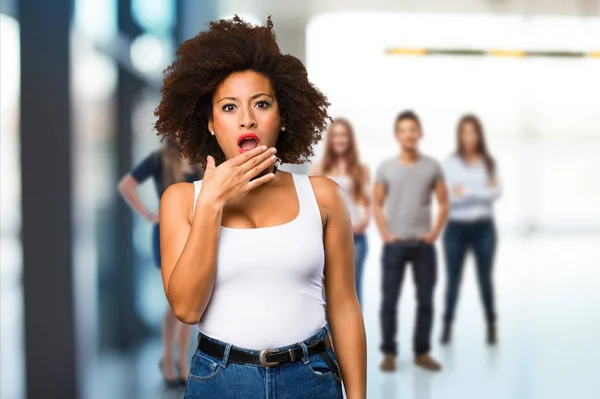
<point x="206" y="60"/>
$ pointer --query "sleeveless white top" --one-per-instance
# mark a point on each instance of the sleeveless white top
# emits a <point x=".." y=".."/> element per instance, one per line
<point x="345" y="183"/>
<point x="268" y="291"/>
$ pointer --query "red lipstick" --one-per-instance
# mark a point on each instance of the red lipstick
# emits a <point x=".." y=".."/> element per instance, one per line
<point x="247" y="142"/>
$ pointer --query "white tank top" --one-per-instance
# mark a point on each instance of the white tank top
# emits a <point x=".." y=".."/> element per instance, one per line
<point x="345" y="183"/>
<point x="268" y="290"/>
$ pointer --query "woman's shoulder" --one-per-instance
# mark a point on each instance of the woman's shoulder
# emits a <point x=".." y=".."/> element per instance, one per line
<point x="322" y="182"/>
<point x="452" y="160"/>
<point x="179" y="195"/>
<point x="327" y="191"/>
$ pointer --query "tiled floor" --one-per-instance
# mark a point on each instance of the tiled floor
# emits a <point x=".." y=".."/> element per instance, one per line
<point x="549" y="327"/>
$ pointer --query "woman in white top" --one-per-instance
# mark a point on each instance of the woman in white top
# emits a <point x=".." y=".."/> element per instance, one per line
<point x="472" y="181"/>
<point x="246" y="249"/>
<point x="341" y="163"/>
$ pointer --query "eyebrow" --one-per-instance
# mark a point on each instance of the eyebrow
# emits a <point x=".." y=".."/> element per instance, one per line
<point x="252" y="98"/>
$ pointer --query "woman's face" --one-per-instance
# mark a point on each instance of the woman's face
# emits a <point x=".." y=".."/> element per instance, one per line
<point x="468" y="137"/>
<point x="340" y="139"/>
<point x="245" y="113"/>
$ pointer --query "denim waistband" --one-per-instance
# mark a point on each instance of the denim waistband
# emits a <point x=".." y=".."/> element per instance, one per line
<point x="484" y="221"/>
<point x="320" y="334"/>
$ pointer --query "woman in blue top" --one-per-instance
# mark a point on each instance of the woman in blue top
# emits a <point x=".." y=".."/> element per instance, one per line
<point x="165" y="166"/>
<point x="473" y="186"/>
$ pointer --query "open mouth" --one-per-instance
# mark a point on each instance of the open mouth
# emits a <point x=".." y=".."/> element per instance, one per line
<point x="247" y="142"/>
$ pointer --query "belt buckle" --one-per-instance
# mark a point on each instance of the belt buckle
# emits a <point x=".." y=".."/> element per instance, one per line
<point x="262" y="358"/>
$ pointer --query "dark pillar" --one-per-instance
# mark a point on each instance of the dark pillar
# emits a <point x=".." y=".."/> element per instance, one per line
<point x="122" y="328"/>
<point x="46" y="199"/>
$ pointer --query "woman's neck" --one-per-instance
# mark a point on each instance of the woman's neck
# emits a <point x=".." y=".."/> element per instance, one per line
<point x="339" y="165"/>
<point x="268" y="170"/>
<point x="471" y="157"/>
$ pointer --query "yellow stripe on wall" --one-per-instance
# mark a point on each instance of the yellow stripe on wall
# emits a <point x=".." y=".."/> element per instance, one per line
<point x="490" y="53"/>
<point x="407" y="51"/>
<point x="507" y="53"/>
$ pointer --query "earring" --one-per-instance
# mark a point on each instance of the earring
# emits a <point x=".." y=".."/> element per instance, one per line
<point x="212" y="132"/>
<point x="283" y="128"/>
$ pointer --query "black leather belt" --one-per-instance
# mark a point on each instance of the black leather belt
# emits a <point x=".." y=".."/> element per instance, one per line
<point x="266" y="357"/>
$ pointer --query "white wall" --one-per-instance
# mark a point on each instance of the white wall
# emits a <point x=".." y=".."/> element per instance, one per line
<point x="541" y="115"/>
<point x="294" y="12"/>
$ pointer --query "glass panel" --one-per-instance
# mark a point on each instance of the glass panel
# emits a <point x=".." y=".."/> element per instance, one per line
<point x="12" y="359"/>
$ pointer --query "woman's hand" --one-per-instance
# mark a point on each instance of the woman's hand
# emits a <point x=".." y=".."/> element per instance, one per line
<point x="458" y="191"/>
<point x="230" y="181"/>
<point x="152" y="217"/>
<point x="360" y="227"/>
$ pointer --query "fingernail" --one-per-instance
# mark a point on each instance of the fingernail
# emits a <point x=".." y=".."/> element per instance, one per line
<point x="263" y="148"/>
<point x="273" y="150"/>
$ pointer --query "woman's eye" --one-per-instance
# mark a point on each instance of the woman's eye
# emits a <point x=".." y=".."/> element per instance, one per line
<point x="262" y="104"/>
<point x="228" y="107"/>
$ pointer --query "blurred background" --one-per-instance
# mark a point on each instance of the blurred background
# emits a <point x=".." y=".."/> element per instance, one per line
<point x="81" y="301"/>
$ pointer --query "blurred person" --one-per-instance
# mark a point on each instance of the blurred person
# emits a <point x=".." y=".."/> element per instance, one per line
<point x="245" y="250"/>
<point x="403" y="189"/>
<point x="341" y="163"/>
<point x="473" y="186"/>
<point x="165" y="167"/>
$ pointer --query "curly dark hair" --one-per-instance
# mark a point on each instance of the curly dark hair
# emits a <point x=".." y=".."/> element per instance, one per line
<point x="204" y="61"/>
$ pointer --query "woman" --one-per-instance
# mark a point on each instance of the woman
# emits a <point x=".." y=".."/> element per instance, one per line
<point x="165" y="167"/>
<point x="341" y="163"/>
<point x="245" y="250"/>
<point x="473" y="186"/>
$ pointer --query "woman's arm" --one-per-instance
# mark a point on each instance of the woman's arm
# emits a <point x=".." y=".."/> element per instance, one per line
<point x="459" y="195"/>
<point x="127" y="187"/>
<point x="189" y="244"/>
<point x="491" y="192"/>
<point x="343" y="310"/>
<point x="453" y="186"/>
<point x="188" y="250"/>
<point x="367" y="203"/>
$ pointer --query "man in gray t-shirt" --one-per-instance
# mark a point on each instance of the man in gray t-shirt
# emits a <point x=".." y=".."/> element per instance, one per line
<point x="408" y="190"/>
<point x="404" y="186"/>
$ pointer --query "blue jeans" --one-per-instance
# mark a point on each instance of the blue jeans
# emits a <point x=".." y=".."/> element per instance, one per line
<point x="306" y="378"/>
<point x="360" y="254"/>
<point x="424" y="263"/>
<point x="460" y="237"/>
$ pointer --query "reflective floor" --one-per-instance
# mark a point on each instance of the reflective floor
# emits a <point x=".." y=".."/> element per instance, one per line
<point x="549" y="327"/>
